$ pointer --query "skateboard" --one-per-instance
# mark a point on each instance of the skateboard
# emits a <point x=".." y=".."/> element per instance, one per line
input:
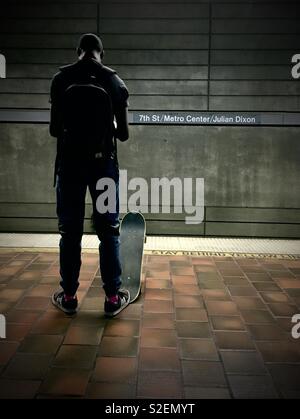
<point x="132" y="236"/>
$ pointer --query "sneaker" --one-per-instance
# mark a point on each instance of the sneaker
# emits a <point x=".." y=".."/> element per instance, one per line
<point x="112" y="308"/>
<point x="68" y="307"/>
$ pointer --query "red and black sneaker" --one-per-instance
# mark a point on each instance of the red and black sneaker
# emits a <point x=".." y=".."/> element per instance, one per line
<point x="67" y="304"/>
<point x="114" y="305"/>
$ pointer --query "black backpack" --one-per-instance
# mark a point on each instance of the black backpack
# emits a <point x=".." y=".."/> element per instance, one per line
<point x="87" y="119"/>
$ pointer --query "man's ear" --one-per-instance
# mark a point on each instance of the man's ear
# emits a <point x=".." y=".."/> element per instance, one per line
<point x="102" y="54"/>
<point x="79" y="51"/>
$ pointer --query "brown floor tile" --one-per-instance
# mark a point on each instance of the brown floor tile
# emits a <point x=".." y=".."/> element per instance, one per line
<point x="193" y="314"/>
<point x="153" y="306"/>
<point x="240" y="363"/>
<point x="253" y="269"/>
<point x="233" y="340"/>
<point x="66" y="382"/>
<point x="161" y="359"/>
<point x="39" y="267"/>
<point x="158" y="320"/>
<point x="134" y="311"/>
<point x="119" y="346"/>
<point x="158" y="338"/>
<point x="42" y="344"/>
<point x="16" y="332"/>
<point x="225" y="308"/>
<point x="249" y="303"/>
<point x="158" y="283"/>
<point x="158" y="294"/>
<point x="188" y="301"/>
<point x="79" y="356"/>
<point x="158" y="274"/>
<point x="236" y="281"/>
<point x="243" y="291"/>
<point x="201" y="260"/>
<point x="211" y="285"/>
<point x="23" y="316"/>
<point x="50" y="280"/>
<point x="267" y="332"/>
<point x="189" y="329"/>
<point x="275" y="297"/>
<point x="29" y="275"/>
<point x="257" y="317"/>
<point x="89" y="318"/>
<point x="160" y="385"/>
<point x="121" y="327"/>
<point x="284" y="323"/>
<point x="28" y="366"/>
<point x="283" y="309"/>
<point x="252" y="387"/>
<point x="205" y="268"/>
<point x="186" y="270"/>
<point x="201" y="349"/>
<point x="289" y="283"/>
<point x="116" y="370"/>
<point x="286" y="377"/>
<point x="42" y="291"/>
<point x="203" y="374"/>
<point x="93" y="303"/>
<point x="226" y="265"/>
<point x="280" y="351"/>
<point x="52" y="323"/>
<point x="184" y="280"/>
<point x="183" y="289"/>
<point x="233" y="323"/>
<point x="231" y="272"/>
<point x="206" y="393"/>
<point x="266" y="286"/>
<point x="7" y="350"/>
<point x="9" y="271"/>
<point x="259" y="277"/>
<point x="5" y="307"/>
<point x="18" y="284"/>
<point x="281" y="275"/>
<point x="271" y="266"/>
<point x="47" y="257"/>
<point x="34" y="303"/>
<point x="293" y="292"/>
<point x="82" y="335"/>
<point x="18" y="389"/>
<point x="208" y="276"/>
<point x="216" y="295"/>
<point x="10" y="295"/>
<point x="109" y="391"/>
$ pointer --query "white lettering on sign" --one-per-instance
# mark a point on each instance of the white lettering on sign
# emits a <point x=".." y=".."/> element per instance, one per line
<point x="296" y="67"/>
<point x="2" y="67"/>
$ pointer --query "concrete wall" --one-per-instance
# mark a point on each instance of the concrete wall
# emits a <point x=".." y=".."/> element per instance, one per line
<point x="176" y="55"/>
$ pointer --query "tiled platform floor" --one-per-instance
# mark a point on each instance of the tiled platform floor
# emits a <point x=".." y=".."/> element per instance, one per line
<point x="204" y="327"/>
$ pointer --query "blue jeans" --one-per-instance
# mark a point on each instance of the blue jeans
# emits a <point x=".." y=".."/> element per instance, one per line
<point x="71" y="187"/>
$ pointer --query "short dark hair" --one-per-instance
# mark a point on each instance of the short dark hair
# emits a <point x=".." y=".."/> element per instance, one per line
<point x="90" y="42"/>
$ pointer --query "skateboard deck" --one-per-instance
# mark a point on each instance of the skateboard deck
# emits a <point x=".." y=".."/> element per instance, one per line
<point x="132" y="235"/>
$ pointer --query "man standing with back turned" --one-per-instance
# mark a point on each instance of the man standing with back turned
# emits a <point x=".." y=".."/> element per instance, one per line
<point x="88" y="113"/>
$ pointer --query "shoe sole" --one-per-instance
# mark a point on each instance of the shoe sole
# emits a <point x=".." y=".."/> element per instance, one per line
<point x="65" y="310"/>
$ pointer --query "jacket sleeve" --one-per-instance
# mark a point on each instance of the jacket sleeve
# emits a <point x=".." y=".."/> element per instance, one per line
<point x="56" y="125"/>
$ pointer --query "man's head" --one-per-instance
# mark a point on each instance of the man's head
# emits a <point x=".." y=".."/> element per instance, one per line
<point x="90" y="45"/>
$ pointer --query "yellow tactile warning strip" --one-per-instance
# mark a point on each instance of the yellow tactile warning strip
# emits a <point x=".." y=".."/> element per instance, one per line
<point x="178" y="246"/>
<point x="168" y="253"/>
